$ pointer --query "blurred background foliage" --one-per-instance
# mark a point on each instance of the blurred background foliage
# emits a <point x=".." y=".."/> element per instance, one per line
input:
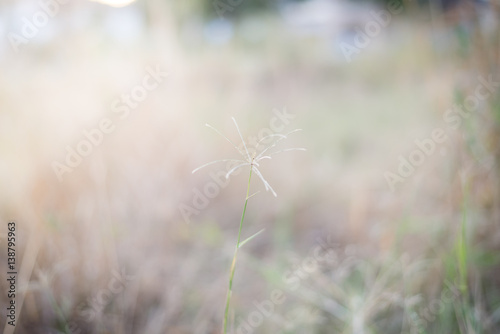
<point x="398" y="255"/>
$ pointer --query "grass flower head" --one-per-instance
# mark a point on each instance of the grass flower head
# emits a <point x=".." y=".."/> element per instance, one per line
<point x="252" y="159"/>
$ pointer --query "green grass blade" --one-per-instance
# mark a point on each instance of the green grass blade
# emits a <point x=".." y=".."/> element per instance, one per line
<point x="250" y="238"/>
<point x="233" y="264"/>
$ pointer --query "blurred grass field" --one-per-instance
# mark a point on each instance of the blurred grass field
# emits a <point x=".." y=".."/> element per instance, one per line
<point x="421" y="259"/>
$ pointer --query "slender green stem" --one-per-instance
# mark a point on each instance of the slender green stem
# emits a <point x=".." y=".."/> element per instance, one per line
<point x="233" y="265"/>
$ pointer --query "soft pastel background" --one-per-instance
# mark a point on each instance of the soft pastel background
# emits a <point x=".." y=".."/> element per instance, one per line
<point x="396" y="253"/>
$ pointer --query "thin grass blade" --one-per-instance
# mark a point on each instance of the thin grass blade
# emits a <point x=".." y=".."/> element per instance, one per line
<point x="285" y="150"/>
<point x="270" y="136"/>
<point x="275" y="143"/>
<point x="250" y="238"/>
<point x="242" y="140"/>
<point x="214" y="162"/>
<point x="229" y="140"/>
<point x="235" y="168"/>
<point x="268" y="186"/>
